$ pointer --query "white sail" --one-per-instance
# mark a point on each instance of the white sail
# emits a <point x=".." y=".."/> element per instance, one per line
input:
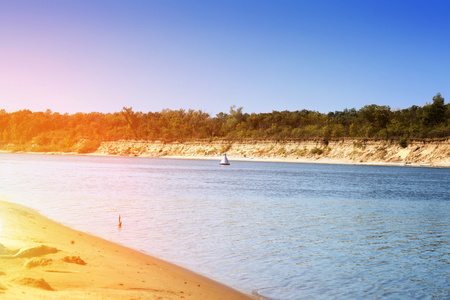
<point x="224" y="160"/>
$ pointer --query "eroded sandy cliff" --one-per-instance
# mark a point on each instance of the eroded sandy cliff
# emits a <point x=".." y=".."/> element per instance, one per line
<point x="433" y="153"/>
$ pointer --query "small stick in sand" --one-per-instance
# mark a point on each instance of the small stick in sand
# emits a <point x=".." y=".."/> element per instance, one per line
<point x="120" y="222"/>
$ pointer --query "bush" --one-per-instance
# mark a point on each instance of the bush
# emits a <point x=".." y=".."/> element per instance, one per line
<point x="440" y="132"/>
<point x="403" y="143"/>
<point x="317" y="151"/>
<point x="89" y="146"/>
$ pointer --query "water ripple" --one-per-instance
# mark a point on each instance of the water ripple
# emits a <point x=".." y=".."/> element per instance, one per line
<point x="283" y="231"/>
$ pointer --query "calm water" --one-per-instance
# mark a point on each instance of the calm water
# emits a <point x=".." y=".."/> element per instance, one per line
<point x="284" y="231"/>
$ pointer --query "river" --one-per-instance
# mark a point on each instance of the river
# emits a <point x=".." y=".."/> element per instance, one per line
<point x="280" y="230"/>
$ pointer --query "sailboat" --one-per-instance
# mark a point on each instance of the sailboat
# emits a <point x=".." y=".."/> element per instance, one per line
<point x="224" y="161"/>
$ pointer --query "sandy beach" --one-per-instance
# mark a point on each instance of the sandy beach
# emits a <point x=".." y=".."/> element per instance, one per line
<point x="41" y="259"/>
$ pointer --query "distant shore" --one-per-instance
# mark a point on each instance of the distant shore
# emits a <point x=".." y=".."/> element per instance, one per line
<point x="416" y="153"/>
<point x="43" y="259"/>
<point x="435" y="153"/>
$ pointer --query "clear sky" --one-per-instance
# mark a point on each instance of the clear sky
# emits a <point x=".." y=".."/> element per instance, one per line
<point x="324" y="55"/>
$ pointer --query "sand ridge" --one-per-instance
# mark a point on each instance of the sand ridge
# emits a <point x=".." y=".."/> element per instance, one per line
<point x="43" y="259"/>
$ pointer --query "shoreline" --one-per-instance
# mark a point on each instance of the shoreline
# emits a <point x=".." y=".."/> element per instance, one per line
<point x="44" y="259"/>
<point x="417" y="153"/>
<point x="340" y="151"/>
<point x="325" y="161"/>
<point x="299" y="161"/>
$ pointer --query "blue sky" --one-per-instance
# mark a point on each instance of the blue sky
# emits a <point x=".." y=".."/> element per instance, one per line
<point x="101" y="55"/>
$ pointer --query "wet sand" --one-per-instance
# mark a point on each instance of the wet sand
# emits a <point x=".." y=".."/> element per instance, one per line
<point x="42" y="259"/>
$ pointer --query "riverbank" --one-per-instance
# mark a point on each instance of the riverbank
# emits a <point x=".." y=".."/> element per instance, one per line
<point x="42" y="259"/>
<point x="424" y="153"/>
<point x="434" y="153"/>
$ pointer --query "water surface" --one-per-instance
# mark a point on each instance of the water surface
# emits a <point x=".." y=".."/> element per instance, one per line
<point x="284" y="231"/>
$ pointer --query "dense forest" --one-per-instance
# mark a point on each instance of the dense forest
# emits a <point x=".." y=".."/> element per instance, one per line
<point x="51" y="131"/>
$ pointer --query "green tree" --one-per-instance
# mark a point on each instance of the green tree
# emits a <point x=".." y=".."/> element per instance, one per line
<point x="132" y="120"/>
<point x="435" y="112"/>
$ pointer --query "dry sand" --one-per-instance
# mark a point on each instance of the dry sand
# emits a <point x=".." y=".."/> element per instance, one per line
<point x="41" y="259"/>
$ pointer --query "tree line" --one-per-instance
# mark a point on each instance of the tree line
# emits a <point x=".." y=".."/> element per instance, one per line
<point x="51" y="131"/>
